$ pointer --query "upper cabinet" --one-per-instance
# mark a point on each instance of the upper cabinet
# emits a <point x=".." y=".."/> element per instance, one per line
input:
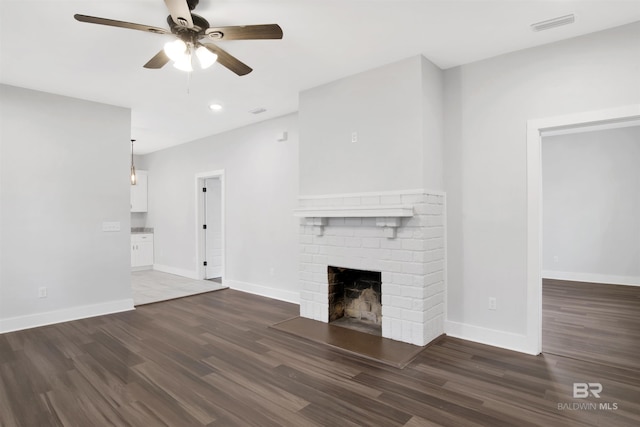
<point x="139" y="193"/>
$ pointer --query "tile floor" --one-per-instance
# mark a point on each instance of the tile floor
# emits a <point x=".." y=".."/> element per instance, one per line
<point x="152" y="286"/>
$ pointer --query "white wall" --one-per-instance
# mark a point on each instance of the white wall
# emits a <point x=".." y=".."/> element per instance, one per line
<point x="591" y="206"/>
<point x="384" y="107"/>
<point x="64" y="170"/>
<point x="432" y="125"/>
<point x="261" y="189"/>
<point x="138" y="219"/>
<point x="487" y="105"/>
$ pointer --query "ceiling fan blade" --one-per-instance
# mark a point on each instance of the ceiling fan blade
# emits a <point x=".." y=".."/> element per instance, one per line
<point x="229" y="61"/>
<point x="245" y="32"/>
<point x="158" y="61"/>
<point x="180" y="13"/>
<point x="121" y="24"/>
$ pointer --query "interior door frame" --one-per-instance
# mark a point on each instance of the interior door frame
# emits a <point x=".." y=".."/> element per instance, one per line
<point x="535" y="128"/>
<point x="200" y="236"/>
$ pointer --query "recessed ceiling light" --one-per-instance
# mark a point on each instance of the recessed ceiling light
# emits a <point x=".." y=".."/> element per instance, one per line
<point x="553" y="23"/>
<point x="215" y="107"/>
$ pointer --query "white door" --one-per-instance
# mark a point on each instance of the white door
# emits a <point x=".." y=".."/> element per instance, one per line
<point x="213" y="230"/>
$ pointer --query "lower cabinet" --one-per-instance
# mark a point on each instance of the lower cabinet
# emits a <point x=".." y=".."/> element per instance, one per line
<point x="141" y="250"/>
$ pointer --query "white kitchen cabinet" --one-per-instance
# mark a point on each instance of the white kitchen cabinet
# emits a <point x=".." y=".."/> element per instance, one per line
<point x="139" y="192"/>
<point x="142" y="250"/>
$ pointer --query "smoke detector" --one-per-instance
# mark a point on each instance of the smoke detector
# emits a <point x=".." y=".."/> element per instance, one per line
<point x="554" y="22"/>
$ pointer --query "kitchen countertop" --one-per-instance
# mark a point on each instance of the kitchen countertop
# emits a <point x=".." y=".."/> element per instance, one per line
<point x="141" y="230"/>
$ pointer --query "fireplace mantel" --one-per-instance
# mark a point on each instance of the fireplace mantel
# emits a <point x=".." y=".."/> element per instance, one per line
<point x="387" y="216"/>
<point x="385" y="211"/>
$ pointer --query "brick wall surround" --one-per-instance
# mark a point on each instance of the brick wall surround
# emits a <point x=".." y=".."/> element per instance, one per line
<point x="412" y="263"/>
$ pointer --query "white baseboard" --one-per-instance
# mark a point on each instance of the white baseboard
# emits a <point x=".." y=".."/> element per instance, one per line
<point x="592" y="278"/>
<point x="74" y="313"/>
<point x="493" y="337"/>
<point x="177" y="271"/>
<point x="265" y="291"/>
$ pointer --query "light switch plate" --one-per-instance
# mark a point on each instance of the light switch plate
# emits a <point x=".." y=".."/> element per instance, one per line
<point x="111" y="226"/>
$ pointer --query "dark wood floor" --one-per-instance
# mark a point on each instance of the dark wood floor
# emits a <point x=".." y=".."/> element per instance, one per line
<point x="593" y="322"/>
<point x="212" y="360"/>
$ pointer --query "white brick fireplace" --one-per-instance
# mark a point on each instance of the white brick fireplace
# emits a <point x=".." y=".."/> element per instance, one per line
<point x="399" y="234"/>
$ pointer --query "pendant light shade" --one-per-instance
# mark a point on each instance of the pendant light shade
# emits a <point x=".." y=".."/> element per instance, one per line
<point x="134" y="179"/>
<point x="184" y="63"/>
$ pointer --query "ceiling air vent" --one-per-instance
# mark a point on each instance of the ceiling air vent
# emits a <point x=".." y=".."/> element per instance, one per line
<point x="553" y="23"/>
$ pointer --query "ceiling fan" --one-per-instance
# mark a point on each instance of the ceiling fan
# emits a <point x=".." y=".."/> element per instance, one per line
<point x="192" y="32"/>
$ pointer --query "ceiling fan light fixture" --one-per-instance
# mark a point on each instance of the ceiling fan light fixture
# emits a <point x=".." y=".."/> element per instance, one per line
<point x="175" y="49"/>
<point x="206" y="58"/>
<point x="189" y="29"/>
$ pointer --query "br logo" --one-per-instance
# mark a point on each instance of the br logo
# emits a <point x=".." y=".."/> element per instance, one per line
<point x="582" y="390"/>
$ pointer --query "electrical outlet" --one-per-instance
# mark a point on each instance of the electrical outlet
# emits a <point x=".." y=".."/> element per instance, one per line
<point x="42" y="292"/>
<point x="555" y="258"/>
<point x="493" y="305"/>
<point x="354" y="136"/>
<point x="272" y="271"/>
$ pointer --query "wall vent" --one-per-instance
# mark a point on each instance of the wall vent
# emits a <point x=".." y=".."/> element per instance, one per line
<point x="553" y="23"/>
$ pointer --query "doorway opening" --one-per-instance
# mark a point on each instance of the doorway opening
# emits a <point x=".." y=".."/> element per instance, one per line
<point x="210" y="229"/>
<point x="591" y="243"/>
<point x="536" y="129"/>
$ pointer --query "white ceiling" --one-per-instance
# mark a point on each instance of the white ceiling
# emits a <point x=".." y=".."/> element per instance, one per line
<point x="42" y="47"/>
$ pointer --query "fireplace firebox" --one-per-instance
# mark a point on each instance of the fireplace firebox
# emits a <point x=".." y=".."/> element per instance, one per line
<point x="355" y="299"/>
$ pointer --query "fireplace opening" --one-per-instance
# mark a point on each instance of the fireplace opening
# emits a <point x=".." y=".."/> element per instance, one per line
<point x="355" y="299"/>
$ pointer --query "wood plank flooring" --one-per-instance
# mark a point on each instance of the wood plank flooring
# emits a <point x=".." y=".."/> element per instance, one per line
<point x="212" y="360"/>
<point x="591" y="321"/>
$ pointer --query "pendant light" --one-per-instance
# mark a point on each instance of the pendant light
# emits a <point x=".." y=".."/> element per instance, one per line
<point x="134" y="180"/>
